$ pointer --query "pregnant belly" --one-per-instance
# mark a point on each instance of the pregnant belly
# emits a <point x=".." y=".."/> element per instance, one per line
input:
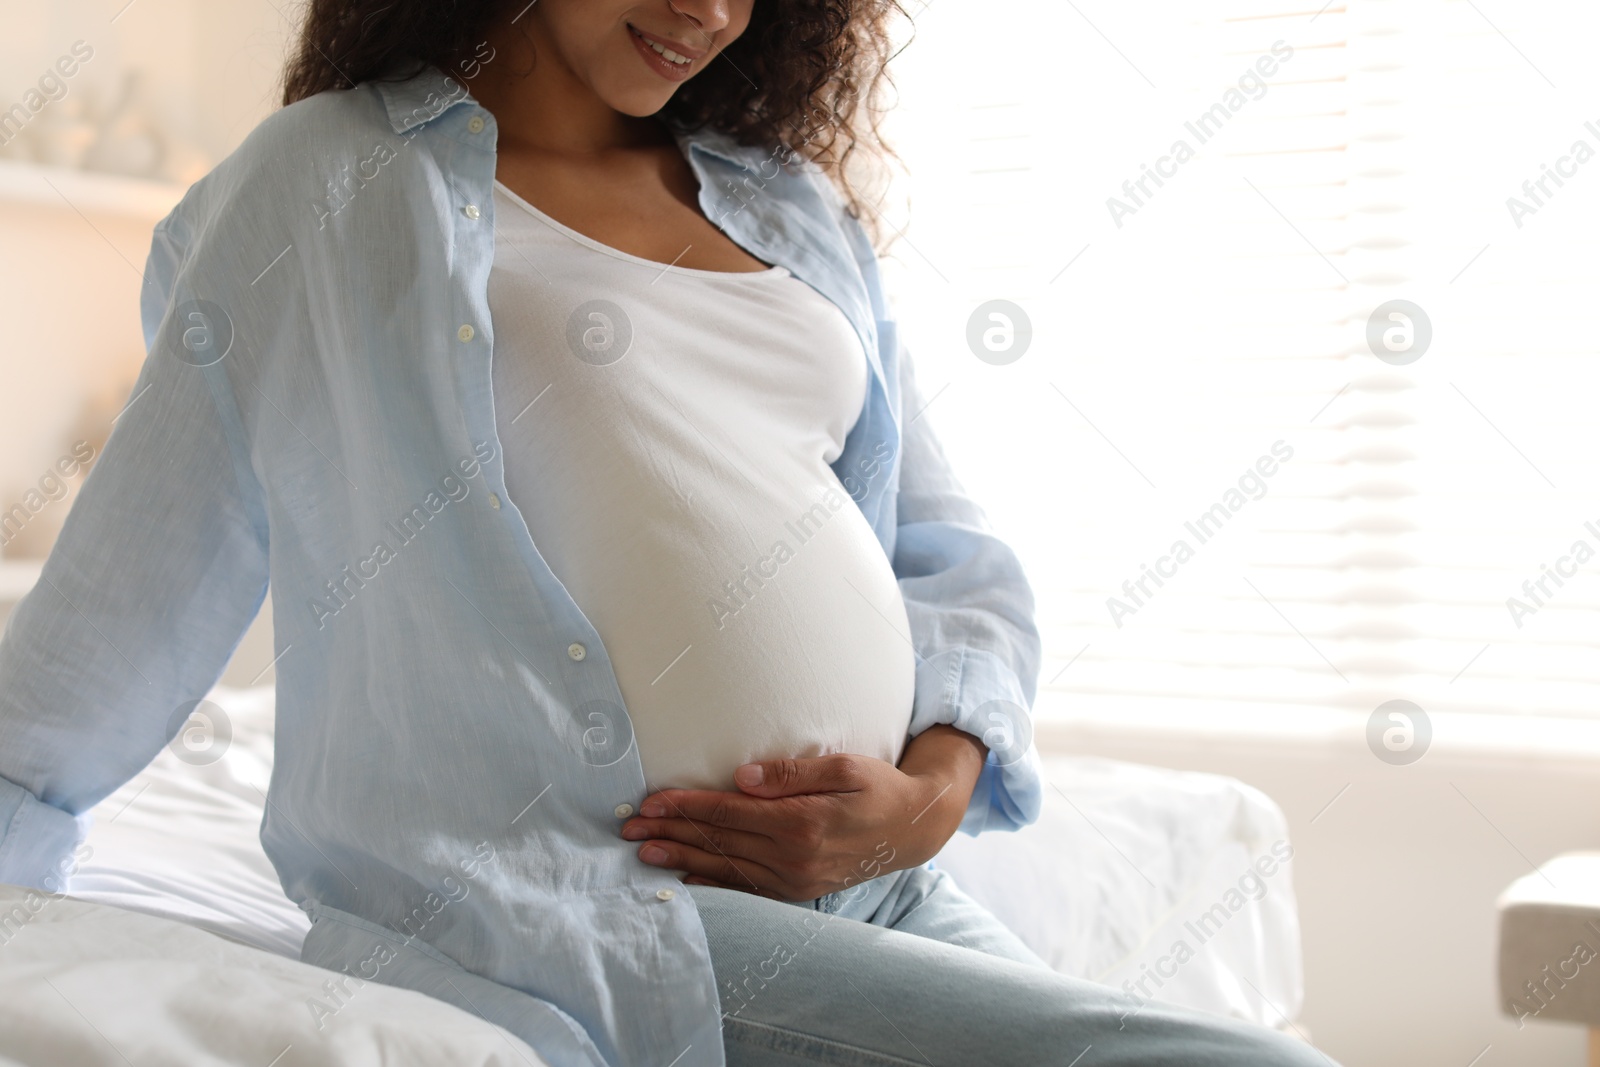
<point x="773" y="630"/>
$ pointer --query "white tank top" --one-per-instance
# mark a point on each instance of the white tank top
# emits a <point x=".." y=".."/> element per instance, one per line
<point x="667" y="436"/>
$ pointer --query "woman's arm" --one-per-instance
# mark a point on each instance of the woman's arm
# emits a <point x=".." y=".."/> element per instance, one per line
<point x="971" y="613"/>
<point x="159" y="568"/>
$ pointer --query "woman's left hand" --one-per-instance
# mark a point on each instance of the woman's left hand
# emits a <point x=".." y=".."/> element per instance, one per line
<point x="800" y="828"/>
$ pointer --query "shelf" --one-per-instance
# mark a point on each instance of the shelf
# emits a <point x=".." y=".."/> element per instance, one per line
<point x="91" y="192"/>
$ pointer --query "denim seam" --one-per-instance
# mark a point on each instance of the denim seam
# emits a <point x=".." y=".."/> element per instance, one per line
<point x="808" y="1046"/>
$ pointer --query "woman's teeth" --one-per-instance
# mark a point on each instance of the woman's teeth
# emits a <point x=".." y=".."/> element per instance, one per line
<point x="666" y="53"/>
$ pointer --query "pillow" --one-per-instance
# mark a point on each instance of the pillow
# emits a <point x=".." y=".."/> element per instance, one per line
<point x="1151" y="877"/>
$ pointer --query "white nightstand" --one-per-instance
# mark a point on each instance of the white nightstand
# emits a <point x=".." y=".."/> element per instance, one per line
<point x="1549" y="956"/>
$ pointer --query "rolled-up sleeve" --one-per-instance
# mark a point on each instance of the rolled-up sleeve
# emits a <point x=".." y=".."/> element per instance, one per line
<point x="159" y="568"/>
<point x="971" y="612"/>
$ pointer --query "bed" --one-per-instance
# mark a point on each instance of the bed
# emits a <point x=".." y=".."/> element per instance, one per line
<point x="174" y="941"/>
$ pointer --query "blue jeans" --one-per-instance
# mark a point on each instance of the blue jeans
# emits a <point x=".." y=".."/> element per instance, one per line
<point x="907" y="970"/>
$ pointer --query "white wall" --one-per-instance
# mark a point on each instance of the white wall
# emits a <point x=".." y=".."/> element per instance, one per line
<point x="1397" y="878"/>
<point x="70" y="303"/>
<point x="71" y="272"/>
<point x="212" y="64"/>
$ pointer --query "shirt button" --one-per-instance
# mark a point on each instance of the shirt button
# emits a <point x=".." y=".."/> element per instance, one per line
<point x="466" y="333"/>
<point x="665" y="894"/>
<point x="576" y="651"/>
<point x="494" y="501"/>
<point x="475" y="124"/>
<point x="622" y="811"/>
<point x="471" y="211"/>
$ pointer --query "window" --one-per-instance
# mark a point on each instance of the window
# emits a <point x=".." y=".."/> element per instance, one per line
<point x="1199" y="209"/>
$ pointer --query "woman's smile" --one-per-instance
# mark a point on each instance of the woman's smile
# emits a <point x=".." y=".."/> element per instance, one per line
<point x="673" y="63"/>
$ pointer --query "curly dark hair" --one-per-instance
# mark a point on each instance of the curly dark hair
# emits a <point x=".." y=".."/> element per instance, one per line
<point x="805" y="78"/>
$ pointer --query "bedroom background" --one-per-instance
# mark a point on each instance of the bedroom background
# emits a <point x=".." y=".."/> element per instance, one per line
<point x="1172" y="315"/>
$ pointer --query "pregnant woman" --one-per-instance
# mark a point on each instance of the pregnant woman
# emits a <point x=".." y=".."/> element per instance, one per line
<point x="636" y="648"/>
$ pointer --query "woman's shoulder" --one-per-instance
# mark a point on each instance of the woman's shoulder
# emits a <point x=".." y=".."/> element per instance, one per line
<point x="327" y="128"/>
<point x="298" y="143"/>
<point x="298" y="166"/>
<point x="288" y="185"/>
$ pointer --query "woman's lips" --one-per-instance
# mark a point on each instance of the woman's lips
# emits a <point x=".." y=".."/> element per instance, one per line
<point x="659" y="63"/>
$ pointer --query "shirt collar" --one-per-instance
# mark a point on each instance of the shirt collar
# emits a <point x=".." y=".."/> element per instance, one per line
<point x="420" y="99"/>
<point x="719" y="144"/>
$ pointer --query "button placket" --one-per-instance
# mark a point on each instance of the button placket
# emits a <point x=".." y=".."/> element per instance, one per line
<point x="577" y="652"/>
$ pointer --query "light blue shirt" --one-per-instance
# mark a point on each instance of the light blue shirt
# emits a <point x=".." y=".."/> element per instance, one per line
<point x="453" y="757"/>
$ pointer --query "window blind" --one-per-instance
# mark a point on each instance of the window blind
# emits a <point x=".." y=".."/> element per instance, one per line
<point x="1222" y="494"/>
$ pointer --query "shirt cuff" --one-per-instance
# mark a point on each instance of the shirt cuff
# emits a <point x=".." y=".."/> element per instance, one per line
<point x="37" y="841"/>
<point x="977" y="692"/>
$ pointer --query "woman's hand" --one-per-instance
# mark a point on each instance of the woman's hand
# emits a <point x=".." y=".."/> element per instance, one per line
<point x="800" y="828"/>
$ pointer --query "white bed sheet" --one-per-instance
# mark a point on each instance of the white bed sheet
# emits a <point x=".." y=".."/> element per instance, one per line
<point x="96" y="986"/>
<point x="1104" y="886"/>
<point x="182" y="839"/>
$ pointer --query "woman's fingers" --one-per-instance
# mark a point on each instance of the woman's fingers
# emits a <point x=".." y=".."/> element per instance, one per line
<point x="718" y="840"/>
<point x="773" y="817"/>
<point x="714" y="868"/>
<point x="696" y="880"/>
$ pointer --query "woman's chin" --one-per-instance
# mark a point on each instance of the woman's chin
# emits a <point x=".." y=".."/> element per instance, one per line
<point x="638" y="100"/>
<point x="639" y="104"/>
